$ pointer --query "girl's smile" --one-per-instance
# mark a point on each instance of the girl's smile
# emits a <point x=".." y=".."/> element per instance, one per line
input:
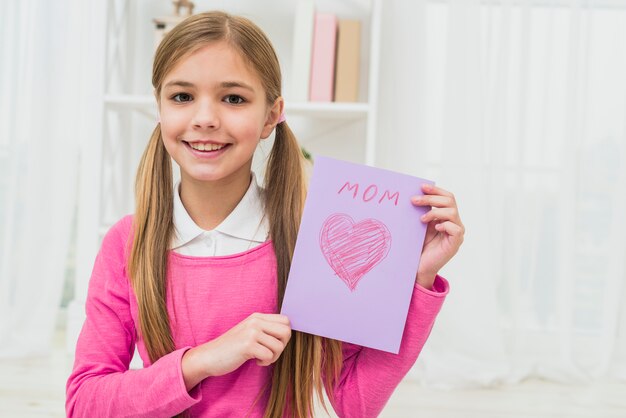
<point x="206" y="149"/>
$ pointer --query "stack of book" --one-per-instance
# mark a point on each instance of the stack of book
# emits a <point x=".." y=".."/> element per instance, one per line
<point x="325" y="56"/>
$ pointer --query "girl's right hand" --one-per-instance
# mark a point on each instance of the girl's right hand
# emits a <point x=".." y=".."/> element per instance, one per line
<point x="260" y="336"/>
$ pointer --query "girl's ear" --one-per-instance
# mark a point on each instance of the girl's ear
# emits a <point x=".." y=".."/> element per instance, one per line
<point x="273" y="117"/>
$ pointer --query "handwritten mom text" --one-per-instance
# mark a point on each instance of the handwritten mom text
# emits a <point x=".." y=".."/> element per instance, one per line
<point x="370" y="193"/>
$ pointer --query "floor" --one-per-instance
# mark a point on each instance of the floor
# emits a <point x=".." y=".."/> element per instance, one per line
<point x="36" y="389"/>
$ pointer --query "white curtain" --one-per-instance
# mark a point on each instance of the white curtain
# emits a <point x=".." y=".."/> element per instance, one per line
<point x="39" y="112"/>
<point x="519" y="108"/>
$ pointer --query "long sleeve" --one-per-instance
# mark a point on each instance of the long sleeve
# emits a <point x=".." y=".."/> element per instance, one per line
<point x="101" y="385"/>
<point x="369" y="377"/>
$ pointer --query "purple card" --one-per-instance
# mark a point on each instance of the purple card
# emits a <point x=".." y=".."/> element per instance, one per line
<point x="356" y="256"/>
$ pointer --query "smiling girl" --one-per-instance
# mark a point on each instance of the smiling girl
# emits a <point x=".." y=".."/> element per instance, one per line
<point x="195" y="278"/>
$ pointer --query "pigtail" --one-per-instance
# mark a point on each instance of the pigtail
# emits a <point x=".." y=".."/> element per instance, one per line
<point x="285" y="193"/>
<point x="153" y="225"/>
<point x="308" y="361"/>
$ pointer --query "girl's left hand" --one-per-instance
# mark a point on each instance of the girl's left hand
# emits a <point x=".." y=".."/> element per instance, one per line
<point x="444" y="234"/>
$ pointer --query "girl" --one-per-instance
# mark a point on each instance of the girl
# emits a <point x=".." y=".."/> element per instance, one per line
<point x="194" y="279"/>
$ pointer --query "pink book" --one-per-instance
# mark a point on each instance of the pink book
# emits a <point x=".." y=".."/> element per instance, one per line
<point x="323" y="58"/>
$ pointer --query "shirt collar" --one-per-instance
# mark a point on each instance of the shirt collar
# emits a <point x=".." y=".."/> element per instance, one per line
<point x="246" y="221"/>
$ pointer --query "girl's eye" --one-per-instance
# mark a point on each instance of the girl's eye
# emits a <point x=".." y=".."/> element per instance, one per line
<point x="183" y="97"/>
<point x="234" y="99"/>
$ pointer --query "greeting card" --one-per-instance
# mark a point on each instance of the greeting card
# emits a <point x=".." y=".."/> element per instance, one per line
<point x="356" y="255"/>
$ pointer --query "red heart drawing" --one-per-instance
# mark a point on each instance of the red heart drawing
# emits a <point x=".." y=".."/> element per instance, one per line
<point x="352" y="249"/>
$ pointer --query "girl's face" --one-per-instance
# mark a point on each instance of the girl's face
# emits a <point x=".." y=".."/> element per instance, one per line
<point x="214" y="113"/>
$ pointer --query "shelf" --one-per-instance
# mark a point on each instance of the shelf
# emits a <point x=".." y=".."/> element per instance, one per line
<point x="327" y="110"/>
<point x="307" y="109"/>
<point x="129" y="100"/>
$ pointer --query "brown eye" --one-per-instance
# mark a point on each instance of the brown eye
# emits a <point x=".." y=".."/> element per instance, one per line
<point x="183" y="97"/>
<point x="234" y="99"/>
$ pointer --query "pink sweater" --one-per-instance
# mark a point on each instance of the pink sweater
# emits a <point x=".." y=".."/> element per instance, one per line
<point x="206" y="297"/>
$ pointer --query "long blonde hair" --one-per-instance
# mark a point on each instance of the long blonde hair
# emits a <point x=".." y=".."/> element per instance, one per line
<point x="308" y="361"/>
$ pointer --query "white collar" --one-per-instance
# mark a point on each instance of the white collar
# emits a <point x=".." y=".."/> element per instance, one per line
<point x="246" y="221"/>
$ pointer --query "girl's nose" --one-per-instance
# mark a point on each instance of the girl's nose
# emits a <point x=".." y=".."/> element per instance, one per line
<point x="206" y="116"/>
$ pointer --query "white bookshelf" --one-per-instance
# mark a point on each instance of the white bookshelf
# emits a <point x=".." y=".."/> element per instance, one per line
<point x="121" y="40"/>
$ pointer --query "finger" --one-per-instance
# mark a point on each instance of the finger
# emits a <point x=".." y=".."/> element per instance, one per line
<point x="442" y="214"/>
<point x="451" y="229"/>
<point x="280" y="331"/>
<point x="275" y="345"/>
<point x="270" y="344"/>
<point x="262" y="354"/>
<point x="259" y="320"/>
<point x="434" y="200"/>
<point x="259" y="323"/>
<point x="278" y="318"/>
<point x="432" y="189"/>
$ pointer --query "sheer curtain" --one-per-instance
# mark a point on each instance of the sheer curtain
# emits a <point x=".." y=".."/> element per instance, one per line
<point x="519" y="108"/>
<point x="40" y="109"/>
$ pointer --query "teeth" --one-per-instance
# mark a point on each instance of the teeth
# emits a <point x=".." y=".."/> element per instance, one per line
<point x="206" y="147"/>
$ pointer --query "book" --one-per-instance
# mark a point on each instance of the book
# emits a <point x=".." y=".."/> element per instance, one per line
<point x="356" y="255"/>
<point x="302" y="49"/>
<point x="347" y="66"/>
<point x="323" y="58"/>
